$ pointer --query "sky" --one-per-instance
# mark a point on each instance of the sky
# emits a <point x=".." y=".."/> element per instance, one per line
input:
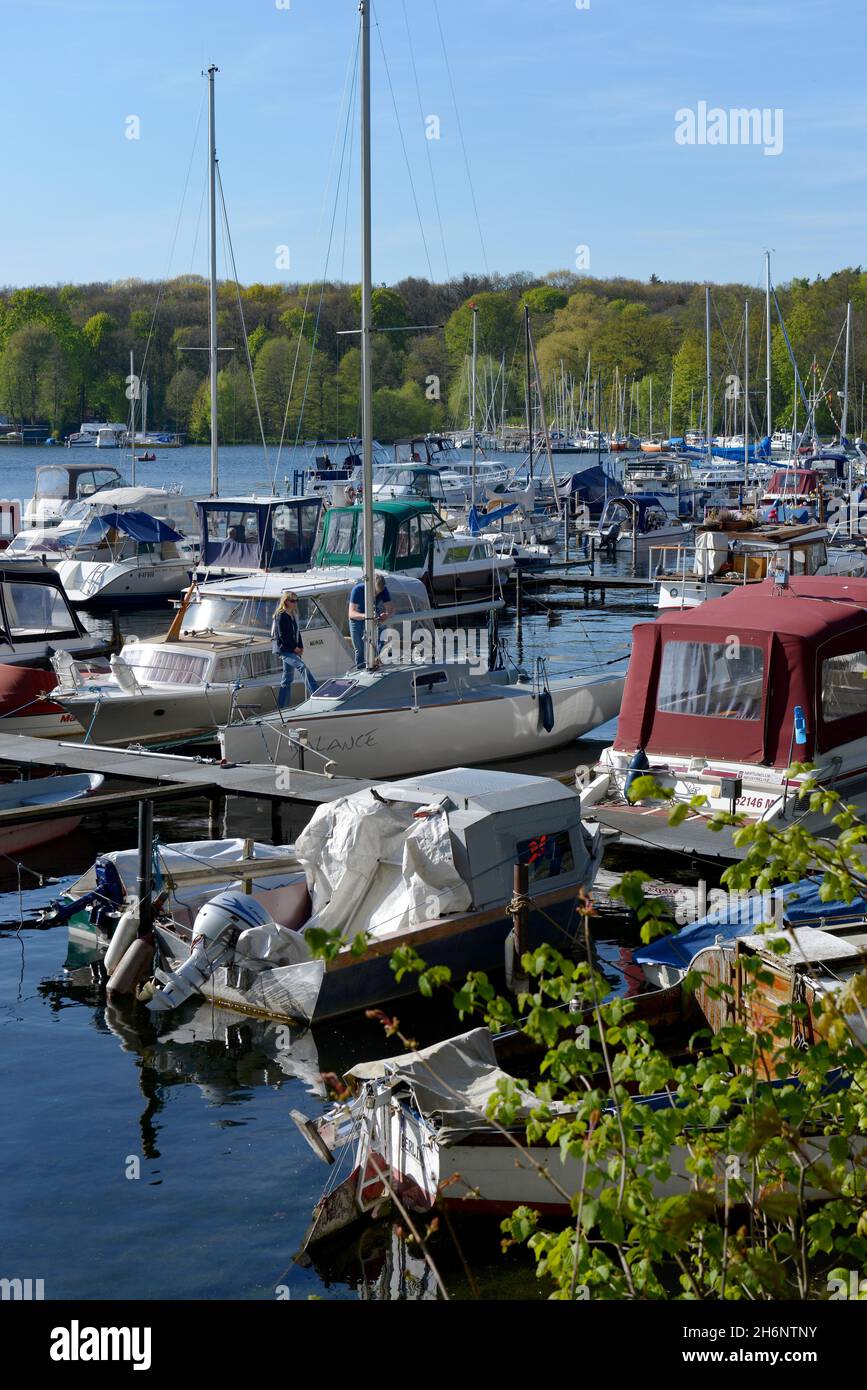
<point x="576" y="121"/>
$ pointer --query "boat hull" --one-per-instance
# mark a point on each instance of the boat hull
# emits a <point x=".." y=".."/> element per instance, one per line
<point x="424" y="738"/>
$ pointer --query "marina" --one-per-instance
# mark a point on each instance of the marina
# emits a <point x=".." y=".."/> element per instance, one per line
<point x="433" y="701"/>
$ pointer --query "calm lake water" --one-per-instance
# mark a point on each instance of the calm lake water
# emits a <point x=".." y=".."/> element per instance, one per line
<point x="91" y="1094"/>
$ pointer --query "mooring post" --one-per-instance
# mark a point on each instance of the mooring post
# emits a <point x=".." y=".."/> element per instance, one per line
<point x="145" y="866"/>
<point x="566" y="532"/>
<point x="517" y="940"/>
<point x="276" y="822"/>
<point x="215" y="805"/>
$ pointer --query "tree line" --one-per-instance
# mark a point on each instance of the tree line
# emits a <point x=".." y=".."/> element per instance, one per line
<point x="65" y="350"/>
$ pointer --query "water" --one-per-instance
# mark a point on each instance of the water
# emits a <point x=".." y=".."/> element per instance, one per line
<point x="90" y="1093"/>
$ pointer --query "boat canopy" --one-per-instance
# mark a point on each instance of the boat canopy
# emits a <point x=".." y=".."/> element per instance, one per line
<point x="258" y="532"/>
<point x="402" y="532"/>
<point x="799" y="904"/>
<point x="723" y="680"/>
<point x="139" y="526"/>
<point x="650" y="512"/>
<point x="797" y="482"/>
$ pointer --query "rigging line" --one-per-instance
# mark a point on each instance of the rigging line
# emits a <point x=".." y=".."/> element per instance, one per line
<point x="427" y="142"/>
<point x="403" y="147"/>
<point x="461" y="135"/>
<point x="174" y="241"/>
<point x="352" y="67"/>
<point x="228" y="235"/>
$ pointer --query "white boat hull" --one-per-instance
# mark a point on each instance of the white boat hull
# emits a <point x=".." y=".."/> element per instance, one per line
<point x="424" y="738"/>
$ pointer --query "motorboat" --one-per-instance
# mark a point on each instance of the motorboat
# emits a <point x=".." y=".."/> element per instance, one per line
<point x="125" y="557"/>
<point x="37" y="622"/>
<point x="251" y="534"/>
<point x="67" y="793"/>
<point x="420" y="1138"/>
<point x="215" y="662"/>
<point x="736" y="550"/>
<point x="637" y="521"/>
<point x="111" y="436"/>
<point x="59" y="485"/>
<point x="400" y="719"/>
<point x="425" y="864"/>
<point x="722" y="699"/>
<point x="410" y="538"/>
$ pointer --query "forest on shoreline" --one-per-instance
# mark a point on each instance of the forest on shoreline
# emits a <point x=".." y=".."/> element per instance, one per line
<point x="64" y="351"/>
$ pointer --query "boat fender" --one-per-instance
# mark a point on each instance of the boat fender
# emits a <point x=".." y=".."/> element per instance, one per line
<point x="125" y="932"/>
<point x="136" y="966"/>
<point x="638" y="767"/>
<point x="546" y="711"/>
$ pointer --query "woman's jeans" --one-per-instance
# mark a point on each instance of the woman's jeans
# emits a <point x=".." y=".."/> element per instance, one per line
<point x="293" y="666"/>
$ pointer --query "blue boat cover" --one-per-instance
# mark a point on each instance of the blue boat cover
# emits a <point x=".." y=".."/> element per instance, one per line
<point x="740" y="915"/>
<point x="476" y="521"/>
<point x="138" y="525"/>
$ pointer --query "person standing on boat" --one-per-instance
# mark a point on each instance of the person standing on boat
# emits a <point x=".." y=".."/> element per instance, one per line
<point x="286" y="642"/>
<point x="384" y="610"/>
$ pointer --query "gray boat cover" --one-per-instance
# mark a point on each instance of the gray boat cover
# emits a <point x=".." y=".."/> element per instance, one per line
<point x="451" y="1083"/>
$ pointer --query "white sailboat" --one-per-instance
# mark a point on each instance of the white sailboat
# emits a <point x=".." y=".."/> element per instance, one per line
<point x="400" y="719"/>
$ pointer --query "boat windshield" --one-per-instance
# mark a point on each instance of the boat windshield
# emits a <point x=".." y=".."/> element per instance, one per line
<point x="711" y="680"/>
<point x="37" y="610"/>
<point x="248" y="613"/>
<point x="52" y="482"/>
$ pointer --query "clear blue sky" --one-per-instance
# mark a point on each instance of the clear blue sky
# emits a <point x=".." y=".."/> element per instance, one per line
<point x="568" y="116"/>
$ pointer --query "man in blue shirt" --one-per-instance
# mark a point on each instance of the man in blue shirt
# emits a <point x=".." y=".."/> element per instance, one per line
<point x="384" y="610"/>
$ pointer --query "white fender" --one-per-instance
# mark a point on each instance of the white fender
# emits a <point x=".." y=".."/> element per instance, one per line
<point x="136" y="965"/>
<point x="124" y="934"/>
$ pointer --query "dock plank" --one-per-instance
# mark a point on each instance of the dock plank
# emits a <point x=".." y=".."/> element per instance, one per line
<point x="239" y="780"/>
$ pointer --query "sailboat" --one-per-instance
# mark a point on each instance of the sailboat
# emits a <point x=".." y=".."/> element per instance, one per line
<point x="396" y="719"/>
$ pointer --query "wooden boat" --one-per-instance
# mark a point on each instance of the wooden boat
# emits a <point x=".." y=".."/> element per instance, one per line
<point x="419" y="1131"/>
<point x="67" y="793"/>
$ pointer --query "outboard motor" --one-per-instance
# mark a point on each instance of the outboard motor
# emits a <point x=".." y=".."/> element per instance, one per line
<point x="215" y="932"/>
<point x="608" y="538"/>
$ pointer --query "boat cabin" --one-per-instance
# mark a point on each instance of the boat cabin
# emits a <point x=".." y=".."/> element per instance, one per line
<point x="412" y="482"/>
<point x="726" y="679"/>
<point x="240" y="534"/>
<point x="730" y="553"/>
<point x="35" y="613"/>
<point x="403" y="533"/>
<point x="60" y="484"/>
<point x="649" y="512"/>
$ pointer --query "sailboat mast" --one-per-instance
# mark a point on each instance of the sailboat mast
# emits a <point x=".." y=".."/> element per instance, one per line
<point x="746" y="392"/>
<point x="212" y="279"/>
<point x="475" y="309"/>
<point x="709" y="413"/>
<point x="768" y="427"/>
<point x="529" y="404"/>
<point x="845" y="420"/>
<point x="371" y="645"/>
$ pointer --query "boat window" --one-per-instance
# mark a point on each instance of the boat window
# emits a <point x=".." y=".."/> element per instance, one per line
<point x="161" y="667"/>
<point x="617" y="514"/>
<point x="844" y="686"/>
<point x="799" y="563"/>
<point x="655" y="519"/>
<point x="334" y="689"/>
<point x="232" y="536"/>
<point x="547" y="856"/>
<point x="454" y="553"/>
<point x="341" y="526"/>
<point x="246" y="666"/>
<point x="293" y="530"/>
<point x="715" y="680"/>
<point x="426" y="680"/>
<point x="52" y="482"/>
<point x="34" y="610"/>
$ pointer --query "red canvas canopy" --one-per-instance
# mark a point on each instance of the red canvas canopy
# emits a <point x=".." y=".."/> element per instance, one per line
<point x="779" y="639"/>
<point x="796" y="481"/>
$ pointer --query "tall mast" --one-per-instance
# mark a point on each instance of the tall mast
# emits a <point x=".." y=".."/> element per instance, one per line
<point x="475" y="308"/>
<point x="709" y="412"/>
<point x="768" y="427"/>
<point x="371" y="645"/>
<point x="746" y="392"/>
<point x="529" y="404"/>
<point x="212" y="279"/>
<point x="845" y="419"/>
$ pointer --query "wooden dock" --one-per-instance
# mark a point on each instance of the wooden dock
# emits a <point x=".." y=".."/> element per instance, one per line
<point x="166" y="775"/>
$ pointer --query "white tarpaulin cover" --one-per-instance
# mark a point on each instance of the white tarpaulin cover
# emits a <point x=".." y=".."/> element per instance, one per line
<point x="451" y="1082"/>
<point x="375" y="867"/>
